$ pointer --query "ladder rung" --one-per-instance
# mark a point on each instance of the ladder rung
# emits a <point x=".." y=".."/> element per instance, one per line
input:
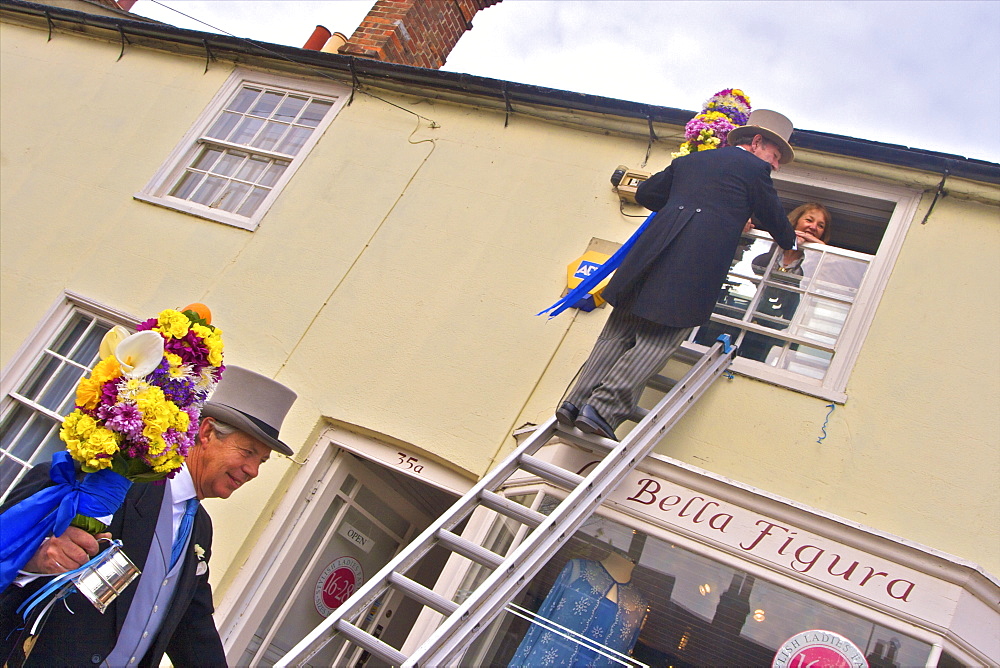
<point x="583" y="440"/>
<point x="417" y="591"/>
<point x="469" y="550"/>
<point x="638" y="413"/>
<point x="505" y="506"/>
<point x="370" y="643"/>
<point x="551" y="472"/>
<point x="661" y="383"/>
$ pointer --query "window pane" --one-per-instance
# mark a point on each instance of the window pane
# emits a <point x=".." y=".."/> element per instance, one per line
<point x="777" y="306"/>
<point x="252" y="168"/>
<point x="289" y="109"/>
<point x="40" y="375"/>
<point x="243" y="99"/>
<point x="270" y="135"/>
<point x="36" y="430"/>
<point x="807" y="362"/>
<point x="13" y="423"/>
<point x="69" y="337"/>
<point x="253" y="201"/>
<point x="51" y="444"/>
<point x="223" y="126"/>
<point x="839" y="276"/>
<point x="266" y="104"/>
<point x="233" y="196"/>
<point x="186" y="185"/>
<point x="86" y="352"/>
<point x="209" y="190"/>
<point x="8" y="473"/>
<point x="821" y="320"/>
<point x="207" y="158"/>
<point x="246" y="131"/>
<point x="62" y="384"/>
<point x="760" y="348"/>
<point x="229" y="162"/>
<point x="294" y="140"/>
<point x="273" y="173"/>
<point x="315" y="112"/>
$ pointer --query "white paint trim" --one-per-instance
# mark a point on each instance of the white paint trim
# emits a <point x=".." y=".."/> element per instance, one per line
<point x="154" y="192"/>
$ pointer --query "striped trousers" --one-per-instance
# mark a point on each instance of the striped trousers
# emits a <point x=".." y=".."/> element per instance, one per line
<point x="628" y="353"/>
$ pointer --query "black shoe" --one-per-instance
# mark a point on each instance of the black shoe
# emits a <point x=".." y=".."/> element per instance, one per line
<point x="566" y="414"/>
<point x="590" y="422"/>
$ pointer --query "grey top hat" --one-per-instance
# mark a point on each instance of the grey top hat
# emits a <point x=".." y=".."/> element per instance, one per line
<point x="254" y="404"/>
<point x="773" y="126"/>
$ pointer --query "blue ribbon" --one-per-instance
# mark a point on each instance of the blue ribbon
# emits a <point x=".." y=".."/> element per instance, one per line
<point x="49" y="511"/>
<point x="586" y="285"/>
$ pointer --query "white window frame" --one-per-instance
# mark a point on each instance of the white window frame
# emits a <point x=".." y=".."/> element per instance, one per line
<point x="32" y="351"/>
<point x="833" y="386"/>
<point x="169" y="173"/>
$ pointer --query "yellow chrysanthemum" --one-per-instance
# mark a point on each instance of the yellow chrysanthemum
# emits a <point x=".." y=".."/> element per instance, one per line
<point x="181" y="421"/>
<point x="155" y="408"/>
<point x="173" y="323"/>
<point x="88" y="393"/>
<point x="105" y="370"/>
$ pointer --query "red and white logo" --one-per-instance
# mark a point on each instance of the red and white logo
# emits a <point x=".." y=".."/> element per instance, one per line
<point x="338" y="581"/>
<point x="819" y="649"/>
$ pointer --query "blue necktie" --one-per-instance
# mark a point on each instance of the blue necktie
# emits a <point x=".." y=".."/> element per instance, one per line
<point x="184" y="531"/>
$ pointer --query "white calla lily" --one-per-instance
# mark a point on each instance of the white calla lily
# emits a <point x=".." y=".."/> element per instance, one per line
<point x="111" y="339"/>
<point x="140" y="353"/>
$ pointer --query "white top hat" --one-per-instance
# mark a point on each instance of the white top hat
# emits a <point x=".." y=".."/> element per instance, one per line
<point x="773" y="126"/>
<point x="254" y="404"/>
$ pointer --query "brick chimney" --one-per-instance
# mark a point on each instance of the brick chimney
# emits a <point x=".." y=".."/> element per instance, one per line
<point x="413" y="32"/>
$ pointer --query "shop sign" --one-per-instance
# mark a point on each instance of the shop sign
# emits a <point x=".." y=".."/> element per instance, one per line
<point x="366" y="543"/>
<point x="818" y="649"/>
<point x="789" y="548"/>
<point x="335" y="585"/>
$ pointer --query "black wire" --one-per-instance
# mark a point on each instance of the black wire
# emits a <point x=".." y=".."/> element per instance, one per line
<point x="621" y="208"/>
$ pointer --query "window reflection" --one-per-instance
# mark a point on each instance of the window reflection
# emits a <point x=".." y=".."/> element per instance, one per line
<point x="697" y="611"/>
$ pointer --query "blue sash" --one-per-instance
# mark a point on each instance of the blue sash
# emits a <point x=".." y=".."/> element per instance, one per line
<point x="49" y="511"/>
<point x="581" y="291"/>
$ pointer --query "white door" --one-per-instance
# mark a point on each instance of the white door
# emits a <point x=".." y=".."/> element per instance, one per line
<point x="358" y="522"/>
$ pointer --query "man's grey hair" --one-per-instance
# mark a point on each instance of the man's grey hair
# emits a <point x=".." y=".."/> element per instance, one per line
<point x="745" y="140"/>
<point x="222" y="429"/>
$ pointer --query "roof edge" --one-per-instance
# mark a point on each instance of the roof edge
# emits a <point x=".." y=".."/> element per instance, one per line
<point x="508" y="91"/>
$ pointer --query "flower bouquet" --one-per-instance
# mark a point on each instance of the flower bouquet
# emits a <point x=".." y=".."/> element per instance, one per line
<point x="724" y="111"/>
<point x="136" y="417"/>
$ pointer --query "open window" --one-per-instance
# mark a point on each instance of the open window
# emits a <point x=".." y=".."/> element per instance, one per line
<point x="803" y="328"/>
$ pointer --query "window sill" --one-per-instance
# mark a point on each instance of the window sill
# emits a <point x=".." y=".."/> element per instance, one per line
<point x="213" y="215"/>
<point x="772" y="376"/>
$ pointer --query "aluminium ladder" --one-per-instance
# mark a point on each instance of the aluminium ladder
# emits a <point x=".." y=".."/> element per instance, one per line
<point x="511" y="572"/>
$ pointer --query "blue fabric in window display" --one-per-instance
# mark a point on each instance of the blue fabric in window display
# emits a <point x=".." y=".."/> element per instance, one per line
<point x="579" y="601"/>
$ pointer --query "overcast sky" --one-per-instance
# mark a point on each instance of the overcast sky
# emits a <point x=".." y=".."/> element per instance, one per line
<point x="924" y="74"/>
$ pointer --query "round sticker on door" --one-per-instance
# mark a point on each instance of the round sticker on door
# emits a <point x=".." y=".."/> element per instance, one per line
<point x="336" y="584"/>
<point x="819" y="649"/>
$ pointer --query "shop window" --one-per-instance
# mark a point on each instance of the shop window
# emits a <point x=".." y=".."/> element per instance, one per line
<point x="39" y="386"/>
<point x="802" y="325"/>
<point x="245" y="147"/>
<point x="614" y="595"/>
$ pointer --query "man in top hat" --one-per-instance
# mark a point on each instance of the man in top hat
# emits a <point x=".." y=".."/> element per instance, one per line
<point x="167" y="534"/>
<point x="669" y="281"/>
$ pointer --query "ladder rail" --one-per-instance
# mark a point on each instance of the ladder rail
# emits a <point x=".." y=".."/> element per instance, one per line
<point x="569" y="515"/>
<point x="369" y="592"/>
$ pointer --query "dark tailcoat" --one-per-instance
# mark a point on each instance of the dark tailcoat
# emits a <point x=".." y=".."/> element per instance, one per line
<point x="188" y="634"/>
<point x="704" y="199"/>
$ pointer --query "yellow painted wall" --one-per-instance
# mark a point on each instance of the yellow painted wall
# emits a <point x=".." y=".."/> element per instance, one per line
<point x="394" y="281"/>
